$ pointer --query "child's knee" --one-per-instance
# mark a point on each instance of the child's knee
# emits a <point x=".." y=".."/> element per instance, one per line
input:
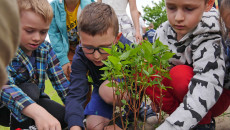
<point x="180" y="78"/>
<point x="181" y="72"/>
<point x="106" y="93"/>
<point x="94" y="122"/>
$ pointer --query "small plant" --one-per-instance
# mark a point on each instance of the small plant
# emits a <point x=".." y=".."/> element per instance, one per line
<point x="129" y="70"/>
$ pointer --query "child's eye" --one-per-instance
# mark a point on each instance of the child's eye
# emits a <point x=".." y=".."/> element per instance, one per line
<point x="171" y="7"/>
<point x="43" y="32"/>
<point x="29" y="31"/>
<point x="189" y="9"/>
<point x="89" y="48"/>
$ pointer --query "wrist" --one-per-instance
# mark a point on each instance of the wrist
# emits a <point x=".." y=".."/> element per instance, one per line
<point x="34" y="111"/>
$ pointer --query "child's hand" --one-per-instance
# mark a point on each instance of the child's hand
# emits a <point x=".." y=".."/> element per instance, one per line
<point x="67" y="69"/>
<point x="43" y="119"/>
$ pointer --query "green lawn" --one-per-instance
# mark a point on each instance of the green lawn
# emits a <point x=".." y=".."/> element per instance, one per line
<point x="50" y="91"/>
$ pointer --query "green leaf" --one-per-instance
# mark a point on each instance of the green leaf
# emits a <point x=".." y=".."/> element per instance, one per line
<point x="125" y="55"/>
<point x="114" y="59"/>
<point x="108" y="50"/>
<point x="146" y="72"/>
<point x="90" y="80"/>
<point x="110" y="84"/>
<point x="105" y="68"/>
<point x="167" y="55"/>
<point x="124" y="101"/>
<point x="121" y="45"/>
<point x="117" y="92"/>
<point x="125" y="62"/>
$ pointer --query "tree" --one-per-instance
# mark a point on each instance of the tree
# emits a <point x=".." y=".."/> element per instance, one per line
<point x="156" y="14"/>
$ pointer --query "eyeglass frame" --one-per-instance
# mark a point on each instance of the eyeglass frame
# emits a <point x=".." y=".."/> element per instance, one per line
<point x="94" y="49"/>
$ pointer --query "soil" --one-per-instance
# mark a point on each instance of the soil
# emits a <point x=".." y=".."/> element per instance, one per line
<point x="223" y="121"/>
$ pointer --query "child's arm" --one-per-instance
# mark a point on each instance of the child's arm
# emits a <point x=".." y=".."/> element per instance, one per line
<point x="56" y="75"/>
<point x="43" y="119"/>
<point x="78" y="90"/>
<point x="14" y="98"/>
<point x="58" y="37"/>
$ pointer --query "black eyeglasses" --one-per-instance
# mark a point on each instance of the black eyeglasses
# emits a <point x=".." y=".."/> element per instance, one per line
<point x="91" y="50"/>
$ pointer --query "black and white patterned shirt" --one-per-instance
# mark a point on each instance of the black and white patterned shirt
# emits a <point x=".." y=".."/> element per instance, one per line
<point x="202" y="50"/>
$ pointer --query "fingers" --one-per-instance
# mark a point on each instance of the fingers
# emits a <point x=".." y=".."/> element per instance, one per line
<point x="58" y="127"/>
<point x="64" y="69"/>
<point x="50" y="126"/>
<point x="69" y="68"/>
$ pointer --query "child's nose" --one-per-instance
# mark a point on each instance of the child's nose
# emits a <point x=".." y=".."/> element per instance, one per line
<point x="36" y="37"/>
<point x="96" y="54"/>
<point x="179" y="15"/>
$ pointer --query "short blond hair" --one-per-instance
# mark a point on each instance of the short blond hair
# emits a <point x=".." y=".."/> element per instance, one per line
<point x="41" y="7"/>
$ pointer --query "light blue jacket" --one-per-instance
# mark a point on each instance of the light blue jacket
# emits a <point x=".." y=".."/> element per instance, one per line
<point x="58" y="31"/>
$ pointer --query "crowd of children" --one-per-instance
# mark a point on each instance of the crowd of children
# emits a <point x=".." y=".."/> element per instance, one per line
<point x="195" y="32"/>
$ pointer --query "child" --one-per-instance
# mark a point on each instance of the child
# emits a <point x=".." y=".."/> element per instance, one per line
<point x="9" y="35"/>
<point x="97" y="31"/>
<point x="63" y="30"/>
<point x="150" y="33"/>
<point x="24" y="94"/>
<point x="198" y="66"/>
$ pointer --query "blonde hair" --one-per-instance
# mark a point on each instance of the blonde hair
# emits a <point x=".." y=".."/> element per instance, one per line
<point x="97" y="18"/>
<point x="41" y="7"/>
<point x="225" y="5"/>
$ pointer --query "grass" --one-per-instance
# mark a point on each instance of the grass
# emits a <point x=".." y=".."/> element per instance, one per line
<point x="50" y="91"/>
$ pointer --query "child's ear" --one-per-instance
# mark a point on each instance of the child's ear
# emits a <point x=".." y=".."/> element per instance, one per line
<point x="118" y="37"/>
<point x="209" y="5"/>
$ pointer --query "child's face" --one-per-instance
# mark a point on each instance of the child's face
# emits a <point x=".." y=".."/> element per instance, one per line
<point x="105" y="40"/>
<point x="184" y="15"/>
<point x="226" y="19"/>
<point x="33" y="31"/>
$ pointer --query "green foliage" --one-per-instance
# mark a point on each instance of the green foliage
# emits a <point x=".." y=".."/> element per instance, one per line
<point x="135" y="65"/>
<point x="156" y="14"/>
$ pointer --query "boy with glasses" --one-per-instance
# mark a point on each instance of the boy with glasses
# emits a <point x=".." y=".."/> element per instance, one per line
<point x="98" y="31"/>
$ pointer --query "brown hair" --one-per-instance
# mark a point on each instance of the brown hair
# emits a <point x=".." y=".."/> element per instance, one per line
<point x="225" y="4"/>
<point x="97" y="18"/>
<point x="41" y="7"/>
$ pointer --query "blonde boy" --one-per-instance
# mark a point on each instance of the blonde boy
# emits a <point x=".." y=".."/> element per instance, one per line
<point x="24" y="95"/>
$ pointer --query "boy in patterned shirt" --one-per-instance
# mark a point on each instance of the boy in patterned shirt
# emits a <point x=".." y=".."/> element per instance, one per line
<point x="24" y="103"/>
<point x="197" y="74"/>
